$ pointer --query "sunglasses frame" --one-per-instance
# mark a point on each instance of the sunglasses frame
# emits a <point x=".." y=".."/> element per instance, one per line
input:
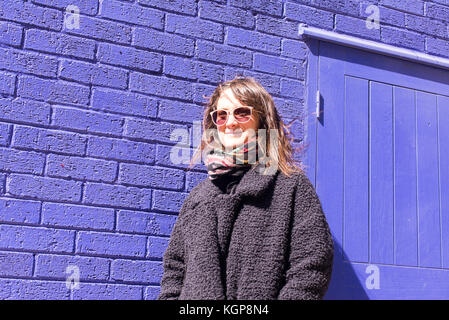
<point x="232" y="112"/>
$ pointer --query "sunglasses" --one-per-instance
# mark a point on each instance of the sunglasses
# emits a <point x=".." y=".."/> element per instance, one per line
<point x="241" y="114"/>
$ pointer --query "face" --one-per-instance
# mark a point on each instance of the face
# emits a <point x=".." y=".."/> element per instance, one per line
<point x="234" y="133"/>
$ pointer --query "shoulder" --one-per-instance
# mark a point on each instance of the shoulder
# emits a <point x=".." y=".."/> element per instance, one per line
<point x="298" y="180"/>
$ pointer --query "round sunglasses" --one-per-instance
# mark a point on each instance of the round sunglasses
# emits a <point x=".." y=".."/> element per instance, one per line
<point x="241" y="114"/>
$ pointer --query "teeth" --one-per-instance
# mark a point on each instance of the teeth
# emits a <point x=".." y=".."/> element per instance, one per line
<point x="234" y="132"/>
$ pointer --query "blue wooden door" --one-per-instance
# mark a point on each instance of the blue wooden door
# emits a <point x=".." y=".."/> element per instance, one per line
<point x="379" y="159"/>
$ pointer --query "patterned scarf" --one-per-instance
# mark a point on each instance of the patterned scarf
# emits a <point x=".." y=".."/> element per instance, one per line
<point x="219" y="162"/>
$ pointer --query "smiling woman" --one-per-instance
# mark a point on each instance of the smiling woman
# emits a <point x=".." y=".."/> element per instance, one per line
<point x="246" y="232"/>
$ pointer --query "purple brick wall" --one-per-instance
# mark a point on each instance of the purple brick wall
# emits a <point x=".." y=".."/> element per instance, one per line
<point x="86" y="116"/>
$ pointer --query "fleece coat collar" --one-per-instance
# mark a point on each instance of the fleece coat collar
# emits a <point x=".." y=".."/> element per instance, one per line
<point x="268" y="240"/>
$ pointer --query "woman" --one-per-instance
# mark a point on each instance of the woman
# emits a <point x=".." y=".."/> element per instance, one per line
<point x="254" y="229"/>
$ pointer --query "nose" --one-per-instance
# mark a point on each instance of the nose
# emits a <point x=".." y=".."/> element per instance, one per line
<point x="231" y="121"/>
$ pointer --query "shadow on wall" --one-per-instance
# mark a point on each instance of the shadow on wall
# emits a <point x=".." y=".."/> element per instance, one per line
<point x="345" y="285"/>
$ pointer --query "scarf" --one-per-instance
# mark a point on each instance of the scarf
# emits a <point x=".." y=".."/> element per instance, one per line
<point x="219" y="162"/>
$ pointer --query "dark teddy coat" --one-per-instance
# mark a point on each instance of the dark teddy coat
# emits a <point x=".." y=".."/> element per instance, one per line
<point x="268" y="240"/>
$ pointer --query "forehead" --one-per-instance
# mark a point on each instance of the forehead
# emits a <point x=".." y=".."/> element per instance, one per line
<point x="227" y="100"/>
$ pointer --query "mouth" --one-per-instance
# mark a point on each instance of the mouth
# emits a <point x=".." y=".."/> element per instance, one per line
<point x="234" y="133"/>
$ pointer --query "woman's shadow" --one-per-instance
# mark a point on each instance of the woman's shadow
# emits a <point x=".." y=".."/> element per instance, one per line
<point x="344" y="285"/>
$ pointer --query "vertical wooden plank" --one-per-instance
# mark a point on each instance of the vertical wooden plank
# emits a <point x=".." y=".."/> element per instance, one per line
<point x="429" y="236"/>
<point x="355" y="216"/>
<point x="311" y="120"/>
<point x="329" y="155"/>
<point x="405" y="215"/>
<point x="329" y="163"/>
<point x="443" y="134"/>
<point x="381" y="175"/>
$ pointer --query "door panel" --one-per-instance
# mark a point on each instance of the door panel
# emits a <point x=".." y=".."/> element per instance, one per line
<point x="381" y="169"/>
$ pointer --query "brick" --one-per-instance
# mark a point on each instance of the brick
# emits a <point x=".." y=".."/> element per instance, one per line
<point x="123" y="102"/>
<point x="181" y="6"/>
<point x="43" y="188"/>
<point x="19" y="211"/>
<point x="110" y="244"/>
<point x="402" y="38"/>
<point x="164" y="87"/>
<point x="278" y="66"/>
<point x="294" y="49"/>
<point x="129" y="57"/>
<point x="253" y="40"/>
<point x="25" y="111"/>
<point x="81" y="168"/>
<point x="49" y="140"/>
<point x="61" y="215"/>
<point x="311" y="16"/>
<point x="136" y="271"/>
<point x="116" y="149"/>
<point x="157" y="247"/>
<point x="152" y="177"/>
<point x="292" y="88"/>
<point x="87" y="73"/>
<point x="16" y="264"/>
<point x="194" y="178"/>
<point x="5" y="134"/>
<point x="151" y="130"/>
<point x="52" y="91"/>
<point x="89" y="121"/>
<point x="168" y="201"/>
<point x="437" y="11"/>
<point x="99" y="291"/>
<point x="178" y="111"/>
<point x="59" y="43"/>
<point x="25" y="12"/>
<point x="36" y="239"/>
<point x="132" y="13"/>
<point x="355" y="26"/>
<point x="55" y="266"/>
<point x="386" y="15"/>
<point x="287" y="108"/>
<point x="202" y="92"/>
<point x="15" y="289"/>
<point x="270" y="7"/>
<point x="7" y="83"/>
<point x="349" y="7"/>
<point x="117" y="196"/>
<point x="21" y="161"/>
<point x="89" y="7"/>
<point x="193" y="70"/>
<point x="174" y="156"/>
<point x="2" y="184"/>
<point x="426" y="25"/>
<point x="160" y="41"/>
<point x="223" y="54"/>
<point x="194" y="27"/>
<point x="412" y="6"/>
<point x="143" y="222"/>
<point x="151" y="292"/>
<point x="10" y="34"/>
<point x="271" y="83"/>
<point x="224" y="14"/>
<point x="209" y="72"/>
<point x="100" y="29"/>
<point x="277" y="27"/>
<point x="27" y="62"/>
<point x="437" y="46"/>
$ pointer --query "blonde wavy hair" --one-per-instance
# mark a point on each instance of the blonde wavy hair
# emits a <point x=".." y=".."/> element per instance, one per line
<point x="251" y="93"/>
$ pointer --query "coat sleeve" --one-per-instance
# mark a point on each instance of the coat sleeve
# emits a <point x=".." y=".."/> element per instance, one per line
<point x="311" y="247"/>
<point x="174" y="261"/>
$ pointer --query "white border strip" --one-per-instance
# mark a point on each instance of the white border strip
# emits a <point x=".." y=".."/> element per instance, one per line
<point x="373" y="46"/>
